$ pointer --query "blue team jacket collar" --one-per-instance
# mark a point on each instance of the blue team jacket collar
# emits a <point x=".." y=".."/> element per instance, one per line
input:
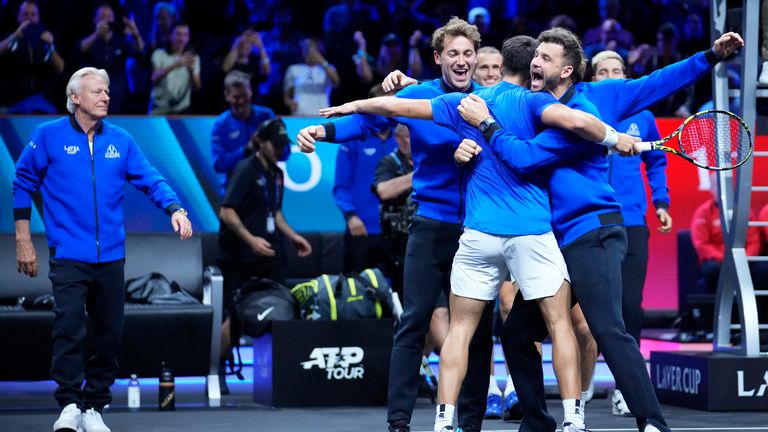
<point x="76" y="126"/>
<point x="446" y="88"/>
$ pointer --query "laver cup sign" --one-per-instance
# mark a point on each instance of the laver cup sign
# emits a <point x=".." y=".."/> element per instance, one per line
<point x="339" y="363"/>
<point x="323" y="363"/>
<point x="711" y="381"/>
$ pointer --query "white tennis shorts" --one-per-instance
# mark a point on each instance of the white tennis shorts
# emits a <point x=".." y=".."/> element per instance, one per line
<point x="483" y="262"/>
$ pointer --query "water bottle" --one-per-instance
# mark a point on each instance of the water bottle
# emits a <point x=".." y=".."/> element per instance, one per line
<point x="167" y="392"/>
<point x="134" y="394"/>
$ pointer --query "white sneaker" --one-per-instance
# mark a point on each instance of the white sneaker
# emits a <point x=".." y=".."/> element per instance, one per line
<point x="570" y="427"/>
<point x="618" y="406"/>
<point x="70" y="419"/>
<point x="651" y="428"/>
<point x="763" y="78"/>
<point x="92" y="422"/>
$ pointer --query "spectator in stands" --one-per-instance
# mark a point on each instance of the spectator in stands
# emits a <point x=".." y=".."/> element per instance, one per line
<point x="693" y="38"/>
<point x="248" y="55"/>
<point x="108" y="49"/>
<point x="356" y="163"/>
<point x="408" y="18"/>
<point x="390" y="58"/>
<point x="610" y="32"/>
<point x="252" y="222"/>
<point x="565" y="22"/>
<point x="165" y="17"/>
<point x="646" y="59"/>
<point x="480" y="17"/>
<point x="282" y="44"/>
<point x="307" y="86"/>
<point x="763" y="78"/>
<point x="30" y="64"/>
<point x="234" y="127"/>
<point x="609" y="10"/>
<point x="86" y="238"/>
<point x="488" y="67"/>
<point x="707" y="238"/>
<point x="175" y="72"/>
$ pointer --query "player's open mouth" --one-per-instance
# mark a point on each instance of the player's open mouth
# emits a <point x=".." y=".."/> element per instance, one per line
<point x="537" y="78"/>
<point x="461" y="73"/>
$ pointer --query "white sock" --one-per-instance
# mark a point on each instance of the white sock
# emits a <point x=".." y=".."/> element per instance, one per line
<point x="573" y="412"/>
<point x="493" y="387"/>
<point x="443" y="416"/>
<point x="510" y="385"/>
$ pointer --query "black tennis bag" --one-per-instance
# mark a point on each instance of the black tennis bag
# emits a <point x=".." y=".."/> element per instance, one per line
<point x="260" y="301"/>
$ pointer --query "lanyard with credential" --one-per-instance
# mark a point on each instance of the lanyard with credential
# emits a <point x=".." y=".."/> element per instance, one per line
<point x="271" y="206"/>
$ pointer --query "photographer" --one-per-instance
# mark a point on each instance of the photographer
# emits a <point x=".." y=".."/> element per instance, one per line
<point x="110" y="45"/>
<point x="31" y="65"/>
<point x="175" y="72"/>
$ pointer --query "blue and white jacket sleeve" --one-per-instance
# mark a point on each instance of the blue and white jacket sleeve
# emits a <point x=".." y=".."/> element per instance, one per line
<point x="147" y="179"/>
<point x="30" y="171"/>
<point x="618" y="99"/>
<point x="546" y="149"/>
<point x="342" y="182"/>
<point x="356" y="127"/>
<point x="655" y="163"/>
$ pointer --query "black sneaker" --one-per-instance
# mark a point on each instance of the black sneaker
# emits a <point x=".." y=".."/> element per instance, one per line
<point x="399" y="426"/>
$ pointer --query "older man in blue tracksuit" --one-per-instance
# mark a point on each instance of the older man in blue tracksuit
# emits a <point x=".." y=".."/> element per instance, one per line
<point x="81" y="163"/>
<point x="589" y="228"/>
<point x="356" y="163"/>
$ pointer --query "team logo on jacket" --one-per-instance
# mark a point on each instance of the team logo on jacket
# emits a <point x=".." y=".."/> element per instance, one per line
<point x="71" y="150"/>
<point x="633" y="130"/>
<point x="369" y="151"/>
<point x="112" y="152"/>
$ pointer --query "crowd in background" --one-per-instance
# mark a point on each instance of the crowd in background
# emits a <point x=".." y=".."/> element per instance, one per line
<point x="171" y="57"/>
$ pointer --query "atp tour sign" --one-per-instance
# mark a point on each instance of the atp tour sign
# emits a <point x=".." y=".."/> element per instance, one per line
<point x="711" y="381"/>
<point x="333" y="363"/>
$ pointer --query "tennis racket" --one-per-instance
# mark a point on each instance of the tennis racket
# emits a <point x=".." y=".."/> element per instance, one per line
<point x="714" y="140"/>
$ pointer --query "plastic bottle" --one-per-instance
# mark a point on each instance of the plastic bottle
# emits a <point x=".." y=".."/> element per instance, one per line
<point x="167" y="391"/>
<point x="134" y="394"/>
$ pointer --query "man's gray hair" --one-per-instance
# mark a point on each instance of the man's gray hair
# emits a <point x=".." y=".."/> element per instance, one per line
<point x="73" y="87"/>
<point x="237" y="79"/>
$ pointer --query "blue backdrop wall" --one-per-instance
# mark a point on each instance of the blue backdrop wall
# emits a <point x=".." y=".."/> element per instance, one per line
<point x="180" y="149"/>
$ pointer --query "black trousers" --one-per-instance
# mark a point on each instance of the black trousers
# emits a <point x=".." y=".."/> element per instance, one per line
<point x="633" y="273"/>
<point x="595" y="265"/>
<point x="429" y="256"/>
<point x="99" y="289"/>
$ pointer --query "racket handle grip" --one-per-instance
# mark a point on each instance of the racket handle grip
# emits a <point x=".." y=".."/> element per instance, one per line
<point x="644" y="146"/>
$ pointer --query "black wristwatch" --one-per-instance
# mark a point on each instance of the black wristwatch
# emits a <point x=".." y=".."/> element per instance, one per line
<point x="485" y="124"/>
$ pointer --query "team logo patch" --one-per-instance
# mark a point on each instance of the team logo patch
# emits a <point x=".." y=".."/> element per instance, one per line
<point x="369" y="151"/>
<point x="71" y="150"/>
<point x="234" y="134"/>
<point x="633" y="130"/>
<point x="112" y="152"/>
<point x="32" y="144"/>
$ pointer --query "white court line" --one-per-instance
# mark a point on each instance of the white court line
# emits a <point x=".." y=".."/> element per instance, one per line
<point x="713" y="429"/>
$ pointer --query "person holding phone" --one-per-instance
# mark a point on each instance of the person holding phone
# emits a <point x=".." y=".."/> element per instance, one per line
<point x="175" y="73"/>
<point x="113" y="41"/>
<point x="31" y="64"/>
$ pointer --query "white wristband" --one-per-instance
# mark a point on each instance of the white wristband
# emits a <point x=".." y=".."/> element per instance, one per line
<point x="611" y="137"/>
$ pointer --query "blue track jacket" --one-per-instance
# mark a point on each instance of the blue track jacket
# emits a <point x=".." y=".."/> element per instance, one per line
<point x="83" y="195"/>
<point x="615" y="99"/>
<point x="436" y="177"/>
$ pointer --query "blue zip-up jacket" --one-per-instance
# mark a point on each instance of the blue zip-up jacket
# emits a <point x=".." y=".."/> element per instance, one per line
<point x="615" y="99"/>
<point x="356" y="163"/>
<point x="624" y="172"/>
<point x="436" y="177"/>
<point x="83" y="195"/>
<point x="229" y="139"/>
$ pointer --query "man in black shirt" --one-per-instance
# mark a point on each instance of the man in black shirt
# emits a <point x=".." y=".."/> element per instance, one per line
<point x="252" y="221"/>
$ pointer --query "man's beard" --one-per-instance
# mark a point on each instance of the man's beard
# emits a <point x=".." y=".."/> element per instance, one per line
<point x="551" y="82"/>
